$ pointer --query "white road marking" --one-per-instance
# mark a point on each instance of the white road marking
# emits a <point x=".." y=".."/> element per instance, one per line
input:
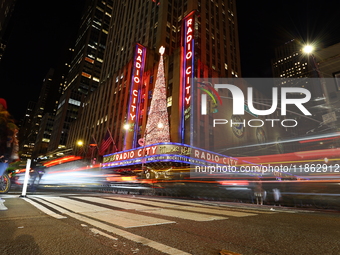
<point x="138" y="239"/>
<point x="196" y="216"/>
<point x="191" y="207"/>
<point x="97" y="231"/>
<point x="187" y="215"/>
<point x="208" y="204"/>
<point x="120" y="218"/>
<point x="44" y="209"/>
<point x="124" y="205"/>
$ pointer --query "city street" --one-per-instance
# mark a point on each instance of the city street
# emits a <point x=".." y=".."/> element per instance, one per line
<point x="92" y="223"/>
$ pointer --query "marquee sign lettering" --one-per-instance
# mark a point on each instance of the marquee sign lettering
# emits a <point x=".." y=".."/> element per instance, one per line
<point x="137" y="75"/>
<point x="167" y="152"/>
<point x="188" y="63"/>
<point x="187" y="68"/>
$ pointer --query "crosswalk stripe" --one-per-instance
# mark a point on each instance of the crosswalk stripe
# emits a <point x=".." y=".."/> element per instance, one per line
<point x="119" y="204"/>
<point x="136" y="238"/>
<point x="207" y="204"/>
<point x="188" y="208"/>
<point x="153" y="210"/>
<point x="44" y="209"/>
<point x="119" y="218"/>
<point x="187" y="215"/>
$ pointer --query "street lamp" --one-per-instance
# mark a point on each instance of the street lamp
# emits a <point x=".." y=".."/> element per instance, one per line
<point x="80" y="144"/>
<point x="308" y="49"/>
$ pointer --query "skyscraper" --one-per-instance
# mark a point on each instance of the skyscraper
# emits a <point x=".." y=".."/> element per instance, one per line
<point x="200" y="35"/>
<point x="290" y="62"/>
<point x="45" y="104"/>
<point x="85" y="67"/>
<point x="26" y="147"/>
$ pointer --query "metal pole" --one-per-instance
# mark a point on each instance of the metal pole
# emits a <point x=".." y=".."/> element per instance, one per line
<point x="27" y="172"/>
<point x="144" y="144"/>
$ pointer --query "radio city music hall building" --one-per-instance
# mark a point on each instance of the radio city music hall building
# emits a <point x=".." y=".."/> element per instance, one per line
<point x="201" y="40"/>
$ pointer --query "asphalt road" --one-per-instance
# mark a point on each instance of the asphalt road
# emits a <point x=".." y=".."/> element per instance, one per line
<point x="92" y="223"/>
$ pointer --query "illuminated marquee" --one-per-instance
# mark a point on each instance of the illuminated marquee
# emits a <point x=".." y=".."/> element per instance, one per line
<point x="137" y="76"/>
<point x="166" y="152"/>
<point x="135" y="90"/>
<point x="187" y="67"/>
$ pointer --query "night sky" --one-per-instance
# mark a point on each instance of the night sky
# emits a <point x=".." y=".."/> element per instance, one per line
<point x="42" y="30"/>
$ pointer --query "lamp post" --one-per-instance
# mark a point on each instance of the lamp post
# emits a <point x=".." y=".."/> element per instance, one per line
<point x="308" y="50"/>
<point x="80" y="144"/>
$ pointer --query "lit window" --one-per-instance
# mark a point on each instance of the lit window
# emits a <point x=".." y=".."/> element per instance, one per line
<point x="74" y="102"/>
<point x="97" y="22"/>
<point x="169" y="101"/>
<point x="95" y="27"/>
<point x="86" y="75"/>
<point x="91" y="46"/>
<point x="89" y="60"/>
<point x="100" y="9"/>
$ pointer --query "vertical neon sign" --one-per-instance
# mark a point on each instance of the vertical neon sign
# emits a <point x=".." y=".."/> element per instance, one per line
<point x="187" y="70"/>
<point x="136" y="83"/>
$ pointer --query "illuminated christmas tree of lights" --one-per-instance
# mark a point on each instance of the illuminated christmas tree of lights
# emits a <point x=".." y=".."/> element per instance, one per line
<point x="157" y="127"/>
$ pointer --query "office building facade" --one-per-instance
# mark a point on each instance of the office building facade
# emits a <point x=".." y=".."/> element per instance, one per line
<point x="153" y="24"/>
<point x="85" y="67"/>
<point x="201" y="42"/>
